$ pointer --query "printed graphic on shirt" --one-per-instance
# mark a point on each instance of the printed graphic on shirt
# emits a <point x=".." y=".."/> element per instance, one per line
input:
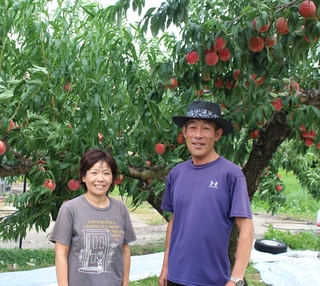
<point x="213" y="185"/>
<point x="100" y="240"/>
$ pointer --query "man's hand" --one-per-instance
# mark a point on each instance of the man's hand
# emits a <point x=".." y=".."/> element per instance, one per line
<point x="163" y="277"/>
<point x="230" y="283"/>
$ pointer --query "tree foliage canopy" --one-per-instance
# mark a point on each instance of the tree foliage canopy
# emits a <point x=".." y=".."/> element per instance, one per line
<point x="78" y="75"/>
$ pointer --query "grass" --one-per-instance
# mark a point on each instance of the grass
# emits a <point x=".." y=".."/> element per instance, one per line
<point x="150" y="281"/>
<point x="253" y="277"/>
<point x="147" y="248"/>
<point x="25" y="259"/>
<point x="299" y="205"/>
<point x="303" y="240"/>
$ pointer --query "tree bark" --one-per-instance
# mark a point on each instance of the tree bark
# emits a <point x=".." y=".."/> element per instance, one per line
<point x="22" y="167"/>
<point x="271" y="136"/>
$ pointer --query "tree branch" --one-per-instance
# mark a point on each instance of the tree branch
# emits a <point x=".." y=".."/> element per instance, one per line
<point x="144" y="174"/>
<point x="23" y="167"/>
<point x="310" y="97"/>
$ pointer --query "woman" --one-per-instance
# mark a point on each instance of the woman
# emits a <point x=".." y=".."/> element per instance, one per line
<point x="92" y="231"/>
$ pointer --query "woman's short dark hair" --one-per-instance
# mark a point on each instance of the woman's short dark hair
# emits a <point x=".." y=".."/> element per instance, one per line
<point x="93" y="156"/>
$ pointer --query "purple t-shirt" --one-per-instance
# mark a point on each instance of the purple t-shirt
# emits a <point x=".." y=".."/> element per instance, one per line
<point x="205" y="200"/>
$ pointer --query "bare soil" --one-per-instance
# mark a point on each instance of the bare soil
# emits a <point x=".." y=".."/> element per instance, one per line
<point x="149" y="234"/>
<point x="150" y="228"/>
<point x="146" y="234"/>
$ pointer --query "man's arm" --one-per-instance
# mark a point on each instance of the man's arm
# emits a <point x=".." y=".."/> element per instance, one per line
<point x="61" y="262"/>
<point x="245" y="242"/>
<point x="164" y="272"/>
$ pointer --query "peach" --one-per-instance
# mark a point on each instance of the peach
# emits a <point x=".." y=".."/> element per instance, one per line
<point x="308" y="142"/>
<point x="312" y="134"/>
<point x="302" y="128"/>
<point x="229" y="84"/>
<point x="305" y="134"/>
<point x="219" y="44"/>
<point x="282" y="26"/>
<point x="219" y="82"/>
<point x="173" y="85"/>
<point x="192" y="58"/>
<point x="3" y="147"/>
<point x="67" y="86"/>
<point x="159" y="148"/>
<point x="277" y="104"/>
<point x="11" y="125"/>
<point x="211" y="59"/>
<point x="50" y="184"/>
<point x="200" y="92"/>
<point x="224" y="55"/>
<point x="263" y="28"/>
<point x="236" y="74"/>
<point x="180" y="138"/>
<point x="259" y="80"/>
<point x="307" y="9"/>
<point x="315" y="39"/>
<point x="73" y="185"/>
<point x="119" y="180"/>
<point x="205" y="76"/>
<point x="270" y="42"/>
<point x="256" y="44"/>
<point x="254" y="134"/>
<point x="294" y="87"/>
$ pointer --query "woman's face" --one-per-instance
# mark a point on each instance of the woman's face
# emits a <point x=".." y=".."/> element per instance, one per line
<point x="98" y="179"/>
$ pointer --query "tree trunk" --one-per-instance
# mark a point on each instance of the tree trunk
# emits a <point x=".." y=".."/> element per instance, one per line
<point x="271" y="136"/>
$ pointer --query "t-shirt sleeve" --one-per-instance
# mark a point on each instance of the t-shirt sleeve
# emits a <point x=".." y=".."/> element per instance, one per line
<point x="167" y="202"/>
<point x="62" y="229"/>
<point x="129" y="234"/>
<point x="240" y="203"/>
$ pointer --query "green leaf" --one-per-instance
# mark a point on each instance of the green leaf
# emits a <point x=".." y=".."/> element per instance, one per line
<point x="36" y="69"/>
<point x="6" y="95"/>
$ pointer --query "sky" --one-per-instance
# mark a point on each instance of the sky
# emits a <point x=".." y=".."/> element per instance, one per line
<point x="132" y="16"/>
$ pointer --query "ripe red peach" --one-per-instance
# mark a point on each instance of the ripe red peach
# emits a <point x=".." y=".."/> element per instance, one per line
<point x="282" y="26"/>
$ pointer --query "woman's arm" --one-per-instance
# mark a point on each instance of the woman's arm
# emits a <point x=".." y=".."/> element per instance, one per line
<point x="61" y="262"/>
<point x="126" y="264"/>
<point x="164" y="272"/>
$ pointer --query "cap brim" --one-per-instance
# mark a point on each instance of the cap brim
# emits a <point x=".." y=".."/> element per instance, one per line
<point x="226" y="126"/>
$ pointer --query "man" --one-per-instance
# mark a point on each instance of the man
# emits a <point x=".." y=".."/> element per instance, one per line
<point x="205" y="195"/>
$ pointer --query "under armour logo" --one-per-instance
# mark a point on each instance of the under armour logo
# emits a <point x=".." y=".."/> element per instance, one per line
<point x="213" y="185"/>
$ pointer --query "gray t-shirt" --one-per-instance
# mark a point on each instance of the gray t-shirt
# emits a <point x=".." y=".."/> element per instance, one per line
<point x="95" y="237"/>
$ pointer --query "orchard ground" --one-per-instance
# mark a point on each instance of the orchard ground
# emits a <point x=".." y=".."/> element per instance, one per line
<point x="150" y="234"/>
<point x="150" y="227"/>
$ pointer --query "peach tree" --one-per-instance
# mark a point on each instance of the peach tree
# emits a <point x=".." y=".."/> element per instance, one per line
<point x="80" y="75"/>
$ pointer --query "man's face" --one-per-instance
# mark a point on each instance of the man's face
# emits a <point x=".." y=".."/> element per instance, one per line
<point x="200" y="138"/>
